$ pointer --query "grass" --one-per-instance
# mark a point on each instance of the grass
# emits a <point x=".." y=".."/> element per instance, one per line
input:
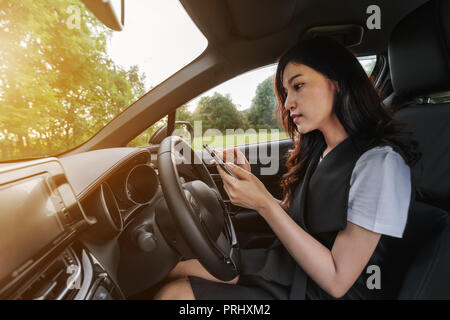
<point x="236" y="139"/>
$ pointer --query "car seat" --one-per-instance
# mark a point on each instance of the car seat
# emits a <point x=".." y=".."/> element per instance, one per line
<point x="419" y="58"/>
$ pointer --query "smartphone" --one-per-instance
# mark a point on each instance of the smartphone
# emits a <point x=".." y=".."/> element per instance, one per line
<point x="218" y="160"/>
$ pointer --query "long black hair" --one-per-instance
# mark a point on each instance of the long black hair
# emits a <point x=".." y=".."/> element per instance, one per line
<point x="357" y="105"/>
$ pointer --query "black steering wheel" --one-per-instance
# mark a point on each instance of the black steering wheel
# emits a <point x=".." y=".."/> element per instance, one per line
<point x="198" y="209"/>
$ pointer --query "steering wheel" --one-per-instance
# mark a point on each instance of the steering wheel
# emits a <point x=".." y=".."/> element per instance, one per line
<point x="198" y="209"/>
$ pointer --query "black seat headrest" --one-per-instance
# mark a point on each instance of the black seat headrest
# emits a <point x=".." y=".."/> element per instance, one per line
<point x="419" y="51"/>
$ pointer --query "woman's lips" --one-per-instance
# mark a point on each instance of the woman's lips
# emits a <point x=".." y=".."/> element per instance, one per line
<point x="295" y="117"/>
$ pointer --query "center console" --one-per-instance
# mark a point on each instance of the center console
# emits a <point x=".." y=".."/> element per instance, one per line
<point x="40" y="221"/>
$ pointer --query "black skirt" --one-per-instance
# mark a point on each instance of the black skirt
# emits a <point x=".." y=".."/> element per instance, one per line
<point x="259" y="279"/>
<point x="247" y="288"/>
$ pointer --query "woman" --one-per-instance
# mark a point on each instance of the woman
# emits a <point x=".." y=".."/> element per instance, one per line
<point x="347" y="191"/>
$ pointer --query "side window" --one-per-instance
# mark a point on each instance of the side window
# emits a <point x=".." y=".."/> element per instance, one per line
<point x="237" y="112"/>
<point x="144" y="137"/>
<point x="368" y="63"/>
<point x="442" y="98"/>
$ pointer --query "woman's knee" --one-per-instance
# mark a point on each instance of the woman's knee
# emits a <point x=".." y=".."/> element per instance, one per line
<point x="193" y="267"/>
<point x="179" y="289"/>
<point x="183" y="269"/>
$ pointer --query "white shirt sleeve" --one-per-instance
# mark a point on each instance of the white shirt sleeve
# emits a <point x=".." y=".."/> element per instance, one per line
<point x="380" y="191"/>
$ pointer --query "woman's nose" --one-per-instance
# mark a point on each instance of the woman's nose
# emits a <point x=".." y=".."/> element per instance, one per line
<point x="289" y="104"/>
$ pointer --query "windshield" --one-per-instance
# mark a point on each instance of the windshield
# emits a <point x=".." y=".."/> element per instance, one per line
<point x="64" y="75"/>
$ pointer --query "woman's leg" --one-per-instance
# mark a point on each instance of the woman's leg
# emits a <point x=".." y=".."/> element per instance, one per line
<point x="193" y="267"/>
<point x="179" y="287"/>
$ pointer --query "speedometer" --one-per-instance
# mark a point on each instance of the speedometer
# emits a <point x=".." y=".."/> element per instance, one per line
<point x="141" y="184"/>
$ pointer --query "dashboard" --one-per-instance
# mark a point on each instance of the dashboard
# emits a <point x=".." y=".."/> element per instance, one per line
<point x="93" y="225"/>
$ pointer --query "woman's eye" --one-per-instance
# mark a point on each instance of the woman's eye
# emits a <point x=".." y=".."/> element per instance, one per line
<point x="298" y="86"/>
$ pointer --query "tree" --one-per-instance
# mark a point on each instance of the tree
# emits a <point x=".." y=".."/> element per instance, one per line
<point x="218" y="112"/>
<point x="183" y="114"/>
<point x="262" y="110"/>
<point x="136" y="81"/>
<point x="57" y="84"/>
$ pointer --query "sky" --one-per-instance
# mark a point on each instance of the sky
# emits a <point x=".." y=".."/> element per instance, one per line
<point x="160" y="38"/>
<point x="241" y="88"/>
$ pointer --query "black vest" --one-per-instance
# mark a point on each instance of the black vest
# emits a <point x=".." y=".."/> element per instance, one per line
<point x="319" y="206"/>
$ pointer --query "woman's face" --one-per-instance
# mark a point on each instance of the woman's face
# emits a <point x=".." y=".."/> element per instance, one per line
<point x="309" y="97"/>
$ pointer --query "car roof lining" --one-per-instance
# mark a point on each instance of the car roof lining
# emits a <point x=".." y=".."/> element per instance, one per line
<point x="250" y="20"/>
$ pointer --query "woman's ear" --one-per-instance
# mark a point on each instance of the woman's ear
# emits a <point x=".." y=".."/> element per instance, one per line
<point x="336" y="86"/>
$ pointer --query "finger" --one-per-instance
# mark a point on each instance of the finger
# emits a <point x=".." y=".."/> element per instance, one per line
<point x="229" y="193"/>
<point x="224" y="155"/>
<point x="226" y="178"/>
<point x="213" y="162"/>
<point x="240" y="157"/>
<point x="238" y="171"/>
<point x="227" y="155"/>
<point x="218" y="154"/>
<point x="225" y="187"/>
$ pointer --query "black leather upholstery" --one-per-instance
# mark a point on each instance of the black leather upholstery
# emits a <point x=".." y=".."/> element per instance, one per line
<point x="430" y="124"/>
<point x="419" y="51"/>
<point x="428" y="278"/>
<point x="419" y="57"/>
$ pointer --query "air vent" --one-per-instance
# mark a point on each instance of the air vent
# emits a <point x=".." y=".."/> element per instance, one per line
<point x="59" y="281"/>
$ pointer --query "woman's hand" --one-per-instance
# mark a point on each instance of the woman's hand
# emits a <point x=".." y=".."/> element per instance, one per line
<point x="235" y="156"/>
<point x="247" y="190"/>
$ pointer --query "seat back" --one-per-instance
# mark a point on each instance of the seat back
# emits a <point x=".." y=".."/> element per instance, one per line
<point x="427" y="278"/>
<point x="419" y="57"/>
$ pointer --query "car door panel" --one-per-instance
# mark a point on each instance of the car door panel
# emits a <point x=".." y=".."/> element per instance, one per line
<point x="268" y="164"/>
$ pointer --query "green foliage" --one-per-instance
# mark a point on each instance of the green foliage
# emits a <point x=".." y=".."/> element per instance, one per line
<point x="441" y="99"/>
<point x="183" y="114"/>
<point x="57" y="84"/>
<point x="237" y="139"/>
<point x="218" y="112"/>
<point x="262" y="110"/>
<point x="144" y="137"/>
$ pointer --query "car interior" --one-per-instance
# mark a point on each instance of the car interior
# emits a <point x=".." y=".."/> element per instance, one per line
<point x="106" y="221"/>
